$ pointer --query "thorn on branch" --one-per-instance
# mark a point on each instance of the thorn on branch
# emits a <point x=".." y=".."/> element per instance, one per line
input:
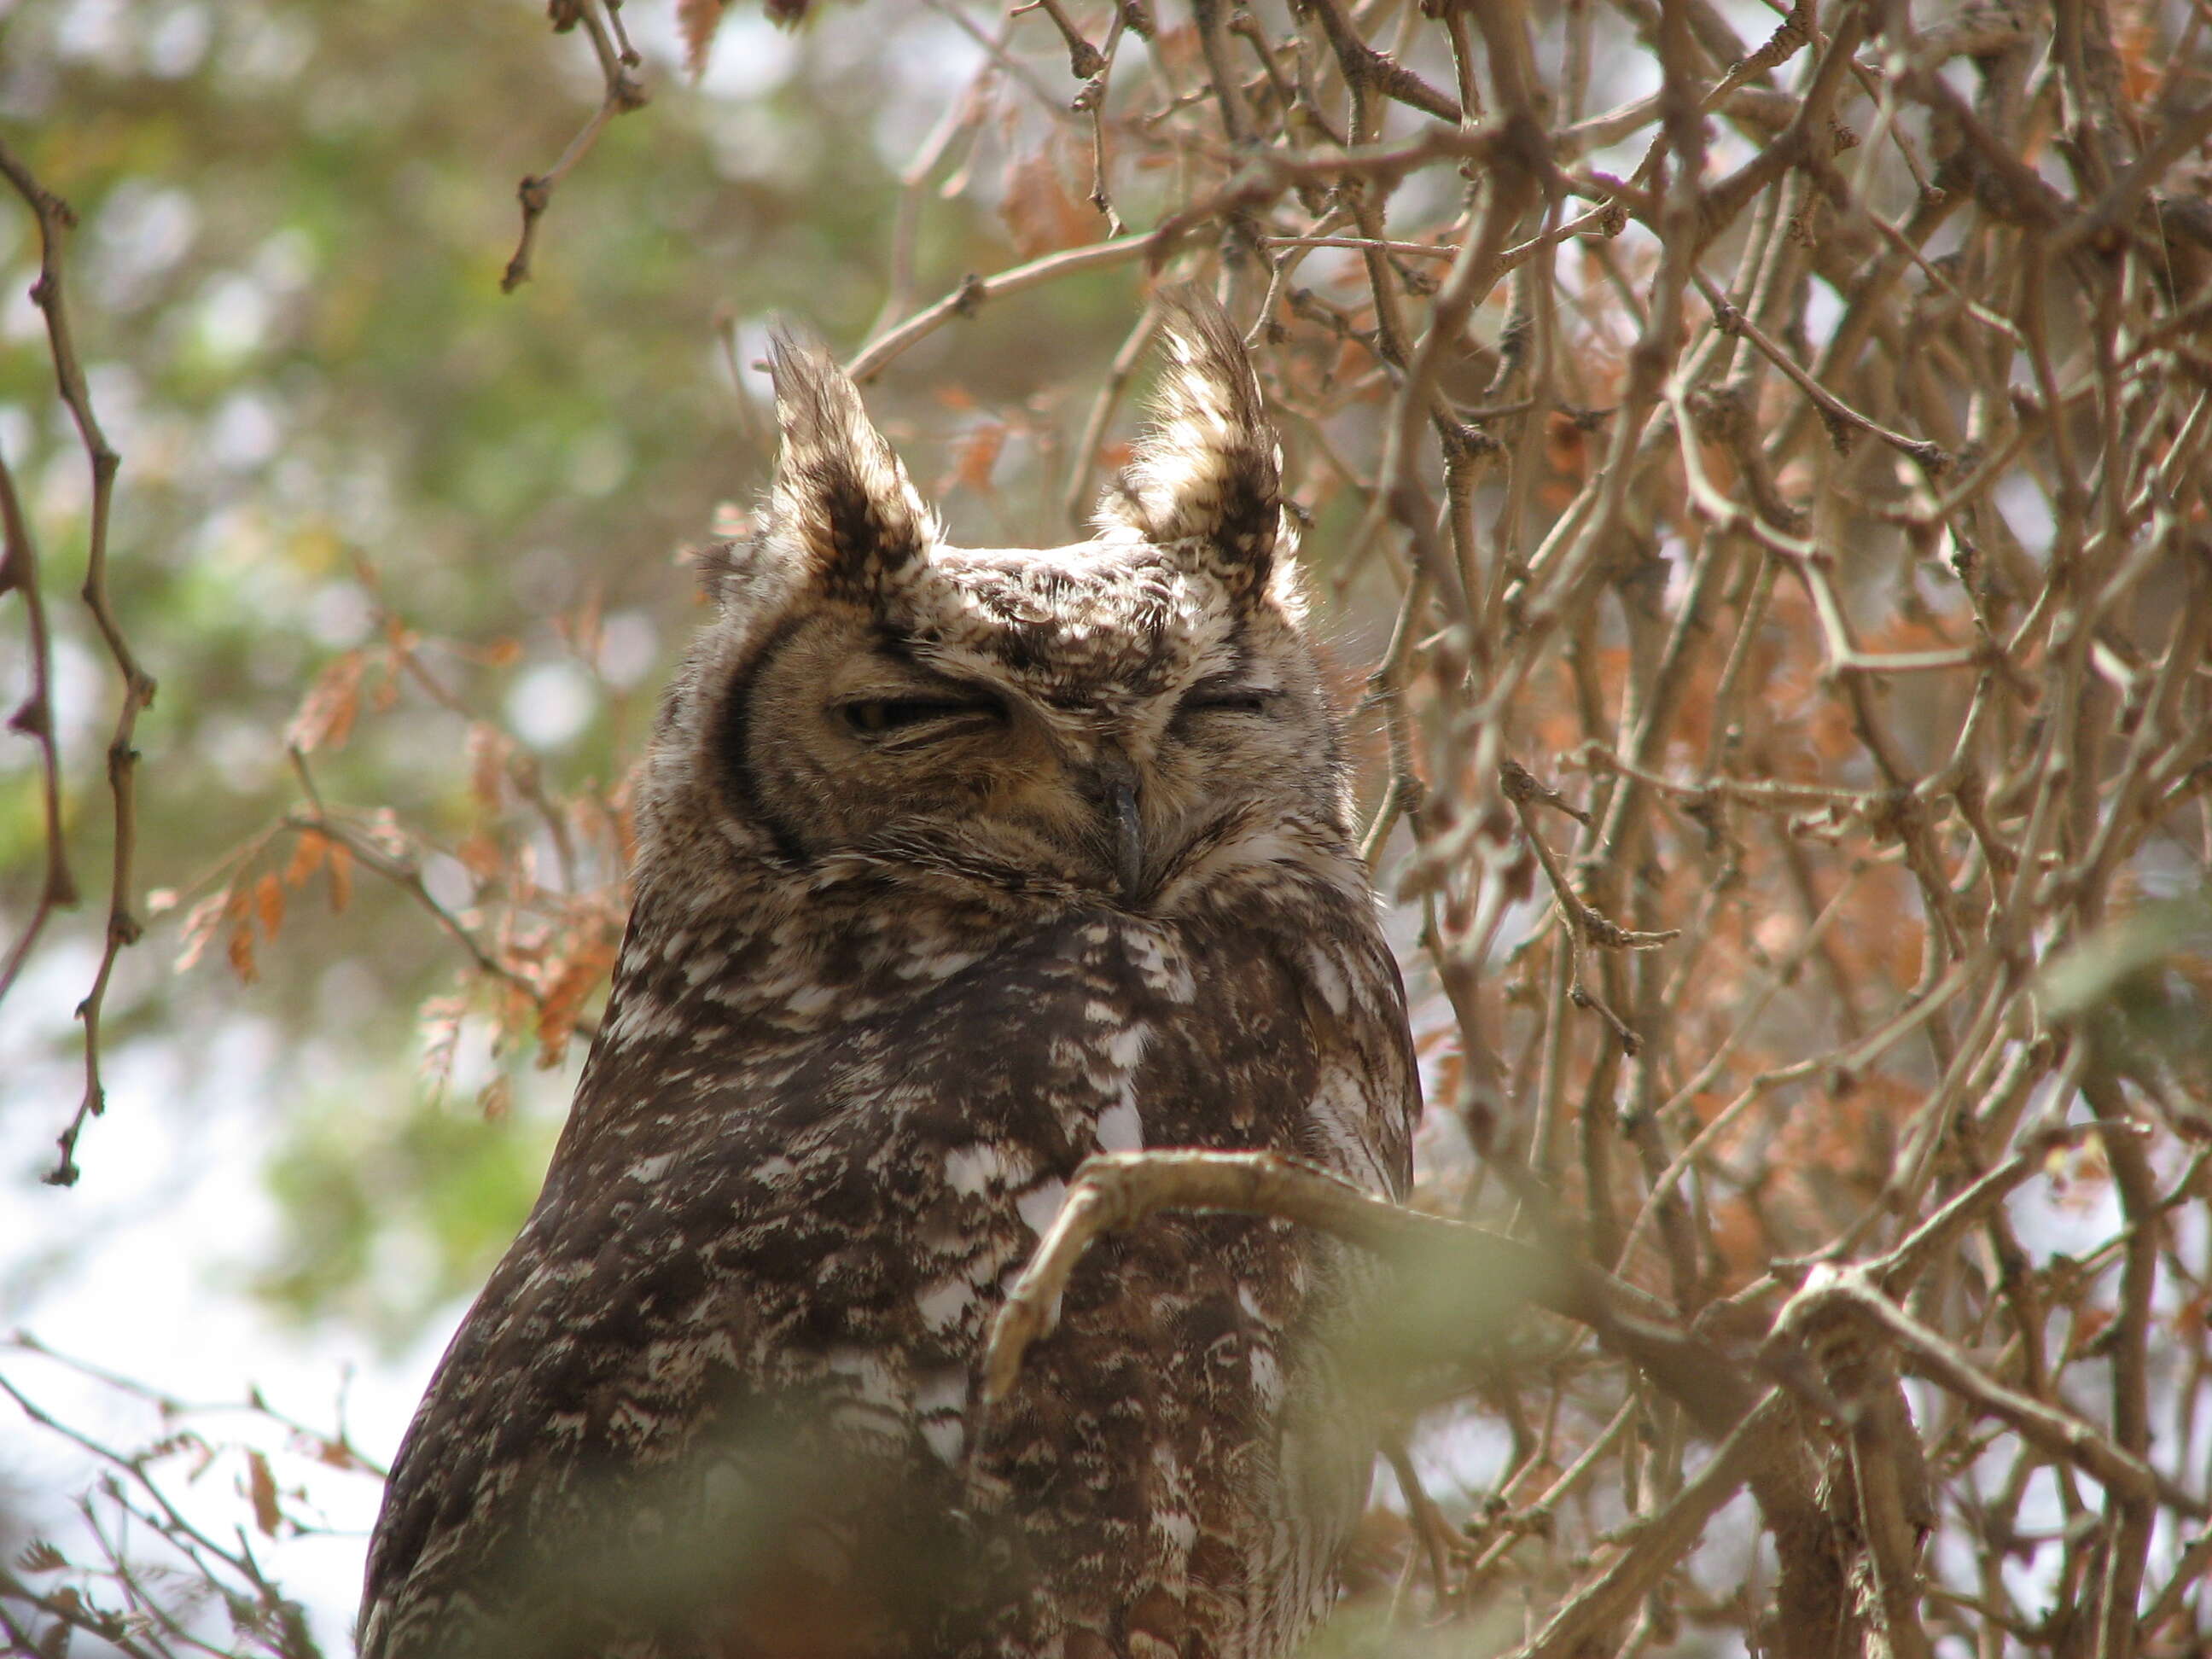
<point x="1519" y="786"/>
<point x="1609" y="935"/>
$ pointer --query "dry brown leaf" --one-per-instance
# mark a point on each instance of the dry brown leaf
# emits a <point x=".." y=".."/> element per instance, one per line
<point x="337" y="1455"/>
<point x="308" y="854"/>
<point x="974" y="457"/>
<point x="241" y="952"/>
<point x="341" y="861"/>
<point x="1041" y="214"/>
<point x="261" y="1487"/>
<point x="696" y="22"/>
<point x="40" y="1556"/>
<point x="327" y="713"/>
<point x="269" y="902"/>
<point x="496" y="1100"/>
<point x="591" y="960"/>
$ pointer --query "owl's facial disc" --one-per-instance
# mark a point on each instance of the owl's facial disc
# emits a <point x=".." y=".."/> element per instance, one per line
<point x="1129" y="717"/>
<point x="1150" y="730"/>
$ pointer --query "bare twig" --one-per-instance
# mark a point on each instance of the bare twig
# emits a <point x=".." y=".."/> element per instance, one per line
<point x="872" y="359"/>
<point x="625" y="93"/>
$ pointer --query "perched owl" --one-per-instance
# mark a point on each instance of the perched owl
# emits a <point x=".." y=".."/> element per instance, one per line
<point x="954" y="866"/>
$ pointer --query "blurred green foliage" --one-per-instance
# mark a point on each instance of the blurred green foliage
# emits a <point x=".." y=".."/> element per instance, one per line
<point x="2143" y="984"/>
<point x="439" y="1189"/>
<point x="293" y="218"/>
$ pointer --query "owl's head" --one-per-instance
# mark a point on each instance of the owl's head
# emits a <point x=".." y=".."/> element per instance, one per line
<point x="1123" y="722"/>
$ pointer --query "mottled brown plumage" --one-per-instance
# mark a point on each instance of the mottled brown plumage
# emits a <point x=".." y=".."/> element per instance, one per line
<point x="955" y="866"/>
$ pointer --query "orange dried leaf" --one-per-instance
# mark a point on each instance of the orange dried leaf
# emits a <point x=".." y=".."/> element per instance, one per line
<point x="327" y="713"/>
<point x="590" y="962"/>
<point x="341" y="862"/>
<point x="240" y="951"/>
<point x="269" y="902"/>
<point x="975" y="458"/>
<point x="308" y="854"/>
<point x="2089" y="1324"/>
<point x="2142" y="72"/>
<point x="696" y="22"/>
<point x="1040" y="213"/>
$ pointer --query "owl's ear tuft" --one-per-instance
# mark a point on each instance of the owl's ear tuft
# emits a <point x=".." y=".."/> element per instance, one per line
<point x="840" y="498"/>
<point x="1208" y="473"/>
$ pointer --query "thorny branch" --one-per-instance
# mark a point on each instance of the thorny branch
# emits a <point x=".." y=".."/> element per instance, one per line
<point x="1849" y="739"/>
<point x="124" y="927"/>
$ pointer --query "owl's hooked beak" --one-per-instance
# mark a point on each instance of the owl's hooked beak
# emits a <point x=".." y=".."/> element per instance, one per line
<point x="1114" y="787"/>
<point x="1128" y="838"/>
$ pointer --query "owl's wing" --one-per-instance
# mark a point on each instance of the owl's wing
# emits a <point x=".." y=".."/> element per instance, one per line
<point x="733" y="1345"/>
<point x="668" y="1428"/>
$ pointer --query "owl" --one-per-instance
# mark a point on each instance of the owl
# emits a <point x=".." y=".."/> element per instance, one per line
<point x="954" y="866"/>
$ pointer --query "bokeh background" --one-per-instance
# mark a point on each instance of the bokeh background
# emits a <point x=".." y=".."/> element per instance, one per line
<point x="409" y="556"/>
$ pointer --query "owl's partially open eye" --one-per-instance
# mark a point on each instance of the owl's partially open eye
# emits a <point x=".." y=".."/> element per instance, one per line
<point x="1224" y="694"/>
<point x="920" y="719"/>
